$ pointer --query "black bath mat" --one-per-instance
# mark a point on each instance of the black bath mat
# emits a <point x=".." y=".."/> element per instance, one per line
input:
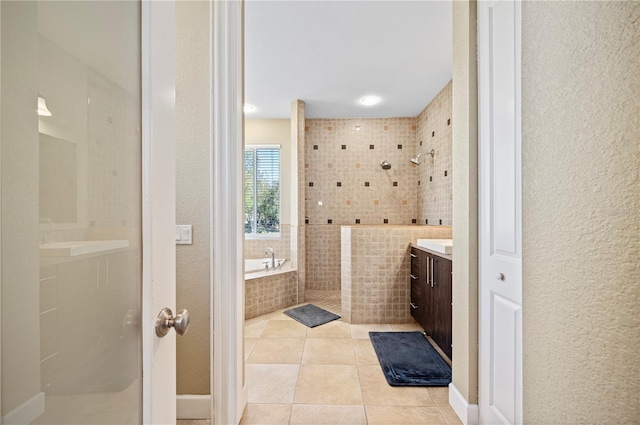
<point x="407" y="359"/>
<point x="311" y="315"/>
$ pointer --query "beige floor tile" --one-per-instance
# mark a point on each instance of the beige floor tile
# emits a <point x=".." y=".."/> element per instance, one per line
<point x="335" y="329"/>
<point x="266" y="414"/>
<point x="277" y="351"/>
<point x="249" y="344"/>
<point x="365" y="354"/>
<point x="253" y="328"/>
<point x="315" y="414"/>
<point x="328" y="384"/>
<point x="329" y="351"/>
<point x="407" y="327"/>
<point x="193" y="422"/>
<point x="440" y="395"/>
<point x="449" y="416"/>
<point x="362" y="331"/>
<point x="284" y="329"/>
<point x="278" y="315"/>
<point x="271" y="383"/>
<point x="376" y="391"/>
<point x="403" y="415"/>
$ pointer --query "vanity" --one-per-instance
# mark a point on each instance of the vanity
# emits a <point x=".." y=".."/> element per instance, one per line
<point x="430" y="290"/>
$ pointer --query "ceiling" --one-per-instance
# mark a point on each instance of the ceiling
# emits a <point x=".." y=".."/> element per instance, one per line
<point x="332" y="53"/>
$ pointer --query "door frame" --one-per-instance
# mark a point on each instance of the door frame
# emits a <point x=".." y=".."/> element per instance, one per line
<point x="158" y="207"/>
<point x="228" y="384"/>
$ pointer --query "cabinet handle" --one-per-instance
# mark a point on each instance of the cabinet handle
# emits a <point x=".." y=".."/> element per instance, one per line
<point x="428" y="271"/>
<point x="432" y="282"/>
<point x="413" y="306"/>
<point x="413" y="277"/>
<point x="413" y="255"/>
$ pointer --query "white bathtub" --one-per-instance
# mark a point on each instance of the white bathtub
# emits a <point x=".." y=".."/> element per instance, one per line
<point x="257" y="264"/>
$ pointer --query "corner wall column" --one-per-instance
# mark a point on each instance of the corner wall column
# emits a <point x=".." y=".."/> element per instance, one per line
<point x="463" y="391"/>
<point x="298" y="208"/>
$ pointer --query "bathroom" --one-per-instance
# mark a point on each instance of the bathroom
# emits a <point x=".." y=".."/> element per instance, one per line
<point x="365" y="186"/>
<point x="560" y="211"/>
<point x="346" y="185"/>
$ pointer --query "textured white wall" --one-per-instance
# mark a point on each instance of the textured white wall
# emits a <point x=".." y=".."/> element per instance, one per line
<point x="581" y="212"/>
<point x="192" y="191"/>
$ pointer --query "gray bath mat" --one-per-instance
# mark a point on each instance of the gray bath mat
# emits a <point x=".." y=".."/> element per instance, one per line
<point x="311" y="315"/>
<point x="407" y="359"/>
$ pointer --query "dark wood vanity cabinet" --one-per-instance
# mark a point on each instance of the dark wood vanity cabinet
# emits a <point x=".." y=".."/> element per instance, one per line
<point x="431" y="296"/>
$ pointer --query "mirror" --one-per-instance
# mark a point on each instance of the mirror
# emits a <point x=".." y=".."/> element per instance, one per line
<point x="58" y="181"/>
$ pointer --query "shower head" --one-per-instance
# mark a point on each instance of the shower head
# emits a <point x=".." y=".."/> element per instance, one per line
<point x="385" y="165"/>
<point x="416" y="160"/>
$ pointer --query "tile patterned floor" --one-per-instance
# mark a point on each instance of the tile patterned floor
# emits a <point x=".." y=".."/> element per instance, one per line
<point x="328" y="375"/>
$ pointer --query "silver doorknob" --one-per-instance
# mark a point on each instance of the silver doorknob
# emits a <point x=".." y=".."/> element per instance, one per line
<point x="500" y="276"/>
<point x="165" y="320"/>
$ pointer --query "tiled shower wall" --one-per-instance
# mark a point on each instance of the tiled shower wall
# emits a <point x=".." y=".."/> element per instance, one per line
<point x="344" y="181"/>
<point x="345" y="184"/>
<point x="434" y="195"/>
<point x="322" y="252"/>
<point x="255" y="248"/>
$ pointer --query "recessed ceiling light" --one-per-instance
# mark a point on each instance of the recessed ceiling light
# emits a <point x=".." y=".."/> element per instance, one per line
<point x="370" y="100"/>
<point x="247" y="109"/>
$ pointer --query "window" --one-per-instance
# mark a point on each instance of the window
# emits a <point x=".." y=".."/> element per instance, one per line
<point x="262" y="190"/>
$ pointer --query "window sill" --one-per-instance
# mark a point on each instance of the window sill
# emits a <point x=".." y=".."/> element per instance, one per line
<point x="266" y="236"/>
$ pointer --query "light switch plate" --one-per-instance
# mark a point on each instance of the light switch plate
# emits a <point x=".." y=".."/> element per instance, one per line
<point x="184" y="234"/>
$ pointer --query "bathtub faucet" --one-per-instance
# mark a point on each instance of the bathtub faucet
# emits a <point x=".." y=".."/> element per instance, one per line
<point x="273" y="257"/>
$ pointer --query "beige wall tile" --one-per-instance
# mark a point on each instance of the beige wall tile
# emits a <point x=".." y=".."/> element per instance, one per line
<point x="268" y="294"/>
<point x="434" y="195"/>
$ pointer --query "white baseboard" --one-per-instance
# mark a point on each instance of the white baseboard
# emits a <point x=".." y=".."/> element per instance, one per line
<point x="191" y="406"/>
<point x="243" y="398"/>
<point x="468" y="413"/>
<point x="27" y="412"/>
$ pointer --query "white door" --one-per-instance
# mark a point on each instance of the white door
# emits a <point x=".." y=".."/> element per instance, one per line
<point x="87" y="212"/>
<point x="500" y="234"/>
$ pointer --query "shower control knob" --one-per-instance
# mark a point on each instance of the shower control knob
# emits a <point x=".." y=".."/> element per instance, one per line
<point x="166" y="320"/>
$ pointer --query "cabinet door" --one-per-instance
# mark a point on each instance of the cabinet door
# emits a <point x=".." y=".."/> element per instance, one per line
<point x="442" y="304"/>
<point x="428" y="318"/>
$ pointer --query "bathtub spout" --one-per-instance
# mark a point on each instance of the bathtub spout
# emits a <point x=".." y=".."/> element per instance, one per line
<point x="273" y="257"/>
